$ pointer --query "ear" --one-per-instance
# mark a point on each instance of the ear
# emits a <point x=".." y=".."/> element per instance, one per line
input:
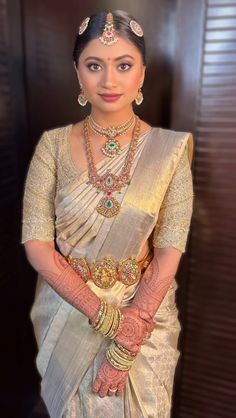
<point x="143" y="75"/>
<point x="75" y="67"/>
<point x="76" y="70"/>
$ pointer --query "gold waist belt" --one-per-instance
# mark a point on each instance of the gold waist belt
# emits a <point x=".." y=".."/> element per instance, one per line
<point x="107" y="271"/>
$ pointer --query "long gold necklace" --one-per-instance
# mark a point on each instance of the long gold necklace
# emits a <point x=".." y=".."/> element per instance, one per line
<point x="108" y="206"/>
<point x="111" y="148"/>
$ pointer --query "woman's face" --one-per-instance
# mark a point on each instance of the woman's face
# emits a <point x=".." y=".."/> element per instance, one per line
<point x="110" y="70"/>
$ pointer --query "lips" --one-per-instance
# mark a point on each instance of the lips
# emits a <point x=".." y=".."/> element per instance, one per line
<point x="110" y="97"/>
<point x="109" y="94"/>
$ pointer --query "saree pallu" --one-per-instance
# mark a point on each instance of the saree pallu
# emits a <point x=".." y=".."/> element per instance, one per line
<point x="70" y="351"/>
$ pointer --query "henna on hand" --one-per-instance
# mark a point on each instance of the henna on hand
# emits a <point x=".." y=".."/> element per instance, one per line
<point x="135" y="325"/>
<point x="156" y="280"/>
<point x="68" y="284"/>
<point x="109" y="377"/>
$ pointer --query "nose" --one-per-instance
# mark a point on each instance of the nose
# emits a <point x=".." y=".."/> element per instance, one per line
<point x="109" y="80"/>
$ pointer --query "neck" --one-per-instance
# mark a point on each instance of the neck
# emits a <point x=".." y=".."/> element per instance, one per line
<point x="107" y="119"/>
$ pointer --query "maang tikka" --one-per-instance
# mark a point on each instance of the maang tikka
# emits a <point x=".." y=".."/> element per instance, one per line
<point x="109" y="35"/>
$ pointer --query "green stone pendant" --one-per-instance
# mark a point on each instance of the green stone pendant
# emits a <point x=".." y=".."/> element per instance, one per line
<point x="108" y="206"/>
<point x="111" y="148"/>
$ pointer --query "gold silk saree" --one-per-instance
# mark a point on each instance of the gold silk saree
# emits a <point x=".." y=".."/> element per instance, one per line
<point x="59" y="204"/>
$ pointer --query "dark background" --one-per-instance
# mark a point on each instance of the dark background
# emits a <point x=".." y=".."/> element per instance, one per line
<point x="190" y="86"/>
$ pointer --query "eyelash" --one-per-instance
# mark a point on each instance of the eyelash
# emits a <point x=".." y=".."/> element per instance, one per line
<point x="123" y="63"/>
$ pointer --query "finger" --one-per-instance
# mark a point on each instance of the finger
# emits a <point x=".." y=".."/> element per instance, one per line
<point x="120" y="389"/>
<point x="96" y="384"/>
<point x="120" y="392"/>
<point x="145" y="315"/>
<point x="112" y="391"/>
<point x="150" y="328"/>
<point x="103" y="390"/>
<point x="136" y="348"/>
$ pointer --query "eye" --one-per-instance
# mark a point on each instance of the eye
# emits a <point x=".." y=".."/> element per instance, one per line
<point x="94" y="67"/>
<point x="124" y="66"/>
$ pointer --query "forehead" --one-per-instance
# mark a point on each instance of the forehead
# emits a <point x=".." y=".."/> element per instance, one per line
<point x="111" y="52"/>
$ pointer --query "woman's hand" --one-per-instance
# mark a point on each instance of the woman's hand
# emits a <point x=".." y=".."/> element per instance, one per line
<point x="135" y="327"/>
<point x="109" y="381"/>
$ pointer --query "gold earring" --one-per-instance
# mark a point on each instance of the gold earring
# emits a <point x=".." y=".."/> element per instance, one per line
<point x="139" y="98"/>
<point x="82" y="100"/>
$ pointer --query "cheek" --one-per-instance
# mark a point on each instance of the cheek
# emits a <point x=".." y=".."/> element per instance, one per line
<point x="132" y="82"/>
<point x="87" y="79"/>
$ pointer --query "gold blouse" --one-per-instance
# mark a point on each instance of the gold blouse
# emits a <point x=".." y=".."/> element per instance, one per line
<point x="51" y="168"/>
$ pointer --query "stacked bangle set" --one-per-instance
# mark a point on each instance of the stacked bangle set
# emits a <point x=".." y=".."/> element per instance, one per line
<point x="108" y="322"/>
<point x="119" y="357"/>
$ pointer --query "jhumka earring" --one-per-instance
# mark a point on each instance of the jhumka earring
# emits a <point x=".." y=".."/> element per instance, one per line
<point x="139" y="97"/>
<point x="109" y="35"/>
<point x="82" y="100"/>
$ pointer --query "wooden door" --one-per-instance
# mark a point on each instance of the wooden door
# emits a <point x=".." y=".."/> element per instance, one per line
<point x="204" y="102"/>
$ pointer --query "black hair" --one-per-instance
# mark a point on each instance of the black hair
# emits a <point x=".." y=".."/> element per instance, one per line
<point x="95" y="29"/>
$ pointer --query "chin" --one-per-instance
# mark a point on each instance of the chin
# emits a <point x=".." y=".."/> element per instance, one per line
<point x="111" y="107"/>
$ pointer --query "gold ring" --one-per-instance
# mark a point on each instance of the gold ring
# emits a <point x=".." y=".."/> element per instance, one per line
<point x="112" y="390"/>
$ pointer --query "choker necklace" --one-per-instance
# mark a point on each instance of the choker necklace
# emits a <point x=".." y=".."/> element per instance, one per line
<point x="108" y="183"/>
<point x="112" y="147"/>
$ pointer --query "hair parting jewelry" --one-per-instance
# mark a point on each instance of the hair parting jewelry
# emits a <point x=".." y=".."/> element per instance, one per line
<point x="109" y="36"/>
<point x="136" y="28"/>
<point x="83" y="25"/>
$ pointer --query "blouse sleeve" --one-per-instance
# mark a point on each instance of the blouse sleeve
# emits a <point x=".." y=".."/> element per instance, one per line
<point x="39" y="193"/>
<point x="174" y="219"/>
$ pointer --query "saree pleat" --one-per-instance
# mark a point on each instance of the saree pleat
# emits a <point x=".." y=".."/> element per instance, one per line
<point x="149" y="387"/>
<point x="77" y="221"/>
<point x="70" y="352"/>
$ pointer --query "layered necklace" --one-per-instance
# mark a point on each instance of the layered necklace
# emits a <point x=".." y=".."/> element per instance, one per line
<point x="108" y="183"/>
<point x="111" y="148"/>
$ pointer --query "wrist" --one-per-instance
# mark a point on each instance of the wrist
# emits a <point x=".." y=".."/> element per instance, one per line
<point x="93" y="310"/>
<point x="120" y="357"/>
<point x="107" y="320"/>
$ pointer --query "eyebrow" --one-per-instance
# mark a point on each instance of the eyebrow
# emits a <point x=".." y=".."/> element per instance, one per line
<point x="116" y="59"/>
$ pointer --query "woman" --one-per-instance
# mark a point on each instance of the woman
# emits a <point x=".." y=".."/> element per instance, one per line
<point x="107" y="209"/>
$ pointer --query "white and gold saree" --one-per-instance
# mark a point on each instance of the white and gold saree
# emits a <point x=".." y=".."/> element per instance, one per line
<point x="59" y="205"/>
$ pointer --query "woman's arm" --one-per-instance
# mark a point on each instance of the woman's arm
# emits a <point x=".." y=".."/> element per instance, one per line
<point x="157" y="279"/>
<point x="170" y="237"/>
<point x="38" y="230"/>
<point x="59" y="274"/>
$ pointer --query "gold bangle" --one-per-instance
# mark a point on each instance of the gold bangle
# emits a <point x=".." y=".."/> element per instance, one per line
<point x="117" y="352"/>
<point x="114" y="327"/>
<point x="108" y="320"/>
<point x="120" y="320"/>
<point x="95" y="321"/>
<point x="102" y="316"/>
<point x="118" y="359"/>
<point x="115" y="364"/>
<point x="125" y="350"/>
<point x="123" y="355"/>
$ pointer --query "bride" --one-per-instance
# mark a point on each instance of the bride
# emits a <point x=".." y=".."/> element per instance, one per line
<point x="106" y="215"/>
